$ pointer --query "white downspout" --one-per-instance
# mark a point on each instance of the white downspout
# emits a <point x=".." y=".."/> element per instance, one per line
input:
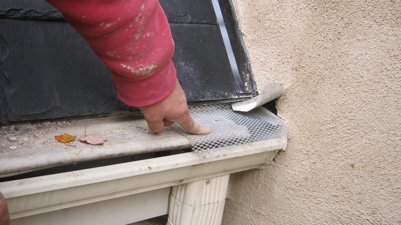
<point x="198" y="203"/>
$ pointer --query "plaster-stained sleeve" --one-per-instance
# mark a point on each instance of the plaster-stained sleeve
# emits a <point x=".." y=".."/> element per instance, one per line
<point x="133" y="39"/>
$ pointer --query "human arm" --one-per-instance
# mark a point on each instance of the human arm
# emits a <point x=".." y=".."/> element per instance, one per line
<point x="133" y="39"/>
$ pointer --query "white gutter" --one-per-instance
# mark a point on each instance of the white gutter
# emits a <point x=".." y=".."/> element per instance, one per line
<point x="31" y="199"/>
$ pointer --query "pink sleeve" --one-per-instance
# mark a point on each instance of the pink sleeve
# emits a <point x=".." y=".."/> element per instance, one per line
<point x="133" y="39"/>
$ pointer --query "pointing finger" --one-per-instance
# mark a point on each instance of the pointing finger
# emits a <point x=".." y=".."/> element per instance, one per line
<point x="190" y="126"/>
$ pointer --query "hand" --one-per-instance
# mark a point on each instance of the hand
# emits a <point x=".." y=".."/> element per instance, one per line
<point x="173" y="109"/>
<point x="4" y="216"/>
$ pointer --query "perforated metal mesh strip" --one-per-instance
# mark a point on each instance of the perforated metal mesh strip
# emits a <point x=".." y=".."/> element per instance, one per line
<point x="234" y="128"/>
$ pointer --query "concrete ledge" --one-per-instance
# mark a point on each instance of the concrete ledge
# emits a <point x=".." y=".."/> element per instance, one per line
<point x="36" y="148"/>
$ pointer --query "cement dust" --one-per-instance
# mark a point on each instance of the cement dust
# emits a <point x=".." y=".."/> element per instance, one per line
<point x="16" y="136"/>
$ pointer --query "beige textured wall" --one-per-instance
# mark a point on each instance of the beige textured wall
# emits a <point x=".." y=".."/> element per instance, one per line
<point x="341" y="64"/>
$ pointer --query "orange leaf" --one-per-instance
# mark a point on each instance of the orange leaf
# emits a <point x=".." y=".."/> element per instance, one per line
<point x="65" y="138"/>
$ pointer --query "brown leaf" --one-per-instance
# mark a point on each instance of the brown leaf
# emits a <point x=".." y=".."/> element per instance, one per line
<point x="92" y="139"/>
<point x="65" y="138"/>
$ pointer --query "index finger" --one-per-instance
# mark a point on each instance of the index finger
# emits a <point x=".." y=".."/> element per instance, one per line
<point x="190" y="126"/>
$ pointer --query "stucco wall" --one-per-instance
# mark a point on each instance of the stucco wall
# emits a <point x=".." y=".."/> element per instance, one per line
<point x="341" y="64"/>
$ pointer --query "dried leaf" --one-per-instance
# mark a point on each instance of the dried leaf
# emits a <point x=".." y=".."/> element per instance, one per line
<point x="92" y="139"/>
<point x="65" y="138"/>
